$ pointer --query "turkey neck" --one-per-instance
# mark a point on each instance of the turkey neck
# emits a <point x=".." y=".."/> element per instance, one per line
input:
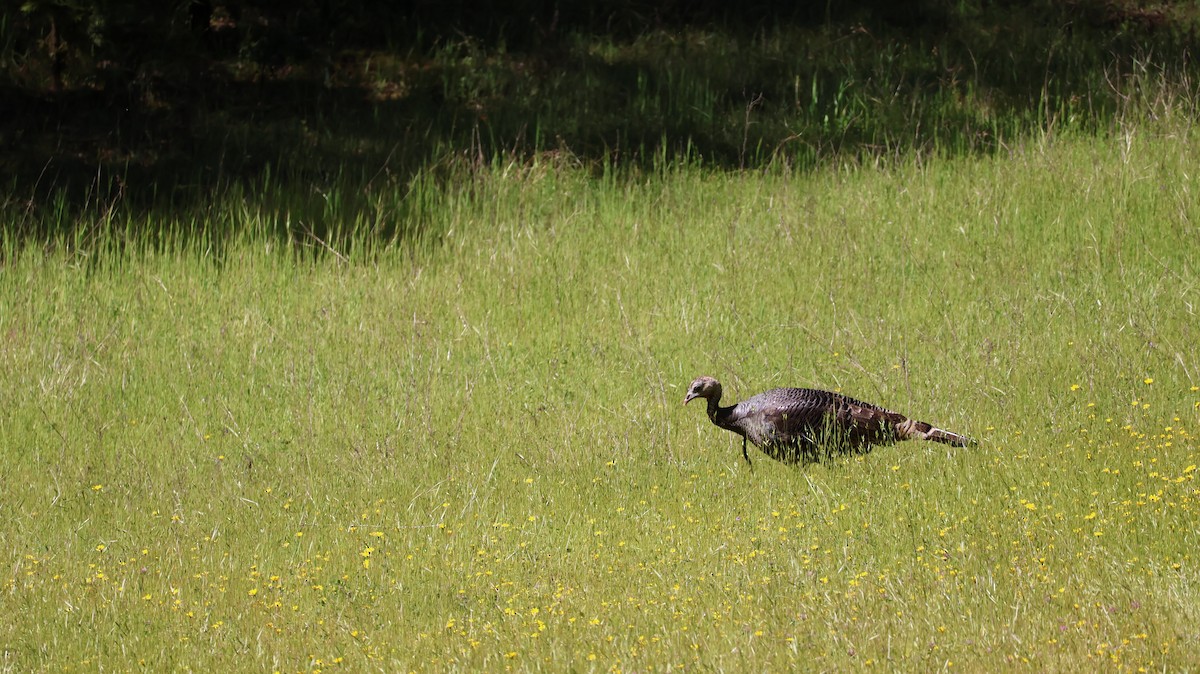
<point x="717" y="414"/>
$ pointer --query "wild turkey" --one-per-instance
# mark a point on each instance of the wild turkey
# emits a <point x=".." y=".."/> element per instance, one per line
<point x="791" y="424"/>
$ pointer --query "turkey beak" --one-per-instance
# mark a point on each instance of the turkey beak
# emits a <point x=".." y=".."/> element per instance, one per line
<point x="689" y="397"/>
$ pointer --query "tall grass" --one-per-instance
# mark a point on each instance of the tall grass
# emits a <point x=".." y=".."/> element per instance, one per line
<point x="290" y="451"/>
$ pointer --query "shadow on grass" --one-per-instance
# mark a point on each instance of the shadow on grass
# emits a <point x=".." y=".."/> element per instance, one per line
<point x="330" y="146"/>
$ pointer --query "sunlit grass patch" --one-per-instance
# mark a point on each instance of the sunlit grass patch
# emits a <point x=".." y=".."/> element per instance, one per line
<point x="471" y="454"/>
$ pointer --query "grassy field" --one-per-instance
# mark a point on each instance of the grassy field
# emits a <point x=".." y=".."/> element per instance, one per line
<point x="467" y="450"/>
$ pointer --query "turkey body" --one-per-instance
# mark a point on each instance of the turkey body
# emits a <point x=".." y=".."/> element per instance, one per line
<point x="797" y="424"/>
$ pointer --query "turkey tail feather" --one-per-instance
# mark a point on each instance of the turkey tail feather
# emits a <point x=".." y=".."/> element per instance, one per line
<point x="912" y="429"/>
<point x="940" y="435"/>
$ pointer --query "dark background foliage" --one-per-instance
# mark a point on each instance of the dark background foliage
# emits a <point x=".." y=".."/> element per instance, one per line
<point x="164" y="103"/>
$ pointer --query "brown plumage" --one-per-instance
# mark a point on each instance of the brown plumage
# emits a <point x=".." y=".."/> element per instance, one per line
<point x="792" y="424"/>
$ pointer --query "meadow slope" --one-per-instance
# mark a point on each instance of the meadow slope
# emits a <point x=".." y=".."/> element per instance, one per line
<point x="471" y="452"/>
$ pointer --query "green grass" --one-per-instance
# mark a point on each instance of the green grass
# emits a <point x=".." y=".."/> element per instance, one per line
<point x="467" y="450"/>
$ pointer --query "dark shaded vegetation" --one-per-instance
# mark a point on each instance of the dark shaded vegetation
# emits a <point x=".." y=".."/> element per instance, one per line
<point x="314" y="110"/>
